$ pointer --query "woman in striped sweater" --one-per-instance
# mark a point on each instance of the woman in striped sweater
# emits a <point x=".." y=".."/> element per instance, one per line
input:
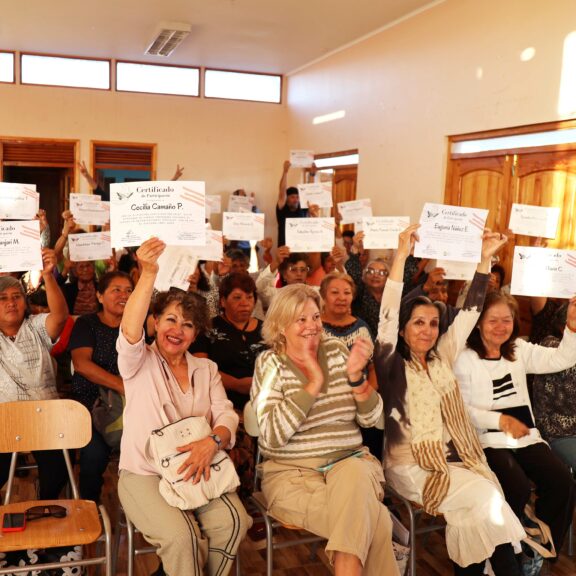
<point x="310" y="395"/>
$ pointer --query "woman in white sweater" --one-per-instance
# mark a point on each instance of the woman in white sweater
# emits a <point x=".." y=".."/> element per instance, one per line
<point x="492" y="376"/>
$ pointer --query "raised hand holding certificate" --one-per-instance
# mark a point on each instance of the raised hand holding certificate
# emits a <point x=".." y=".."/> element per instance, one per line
<point x="354" y="210"/>
<point x="171" y="211"/>
<point x="310" y="234"/>
<point x="316" y="193"/>
<point x="534" y="220"/>
<point x="382" y="231"/>
<point x="243" y="225"/>
<point x="451" y="233"/>
<point x="301" y="158"/>
<point x="18" y="201"/>
<point x="20" y="248"/>
<point x="91" y="246"/>
<point x="543" y="272"/>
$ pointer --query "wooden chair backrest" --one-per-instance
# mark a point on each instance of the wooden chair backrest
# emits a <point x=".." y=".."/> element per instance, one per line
<point x="44" y="425"/>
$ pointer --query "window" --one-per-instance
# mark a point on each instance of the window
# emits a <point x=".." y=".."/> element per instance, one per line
<point x="65" y="71"/>
<point x="7" y="67"/>
<point x="157" y="79"/>
<point x="242" y="86"/>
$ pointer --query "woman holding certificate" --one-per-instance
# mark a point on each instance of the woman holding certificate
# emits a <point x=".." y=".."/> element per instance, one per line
<point x="164" y="381"/>
<point x="492" y="376"/>
<point x="433" y="456"/>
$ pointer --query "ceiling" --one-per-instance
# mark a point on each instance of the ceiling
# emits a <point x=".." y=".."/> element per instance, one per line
<point x="276" y="36"/>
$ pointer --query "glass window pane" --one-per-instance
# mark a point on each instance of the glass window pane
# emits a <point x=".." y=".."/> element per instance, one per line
<point x="242" y="86"/>
<point x="60" y="71"/>
<point x="6" y="67"/>
<point x="131" y="77"/>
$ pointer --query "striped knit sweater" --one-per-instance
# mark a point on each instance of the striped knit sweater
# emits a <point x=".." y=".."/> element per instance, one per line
<point x="293" y="424"/>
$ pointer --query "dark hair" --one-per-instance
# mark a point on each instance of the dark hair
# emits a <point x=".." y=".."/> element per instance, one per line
<point x="507" y="349"/>
<point x="348" y="234"/>
<point x="106" y="280"/>
<point x="38" y="297"/>
<point x="406" y="309"/>
<point x="236" y="254"/>
<point x="293" y="258"/>
<point x="242" y="281"/>
<point x="193" y="307"/>
<point x="497" y="269"/>
<point x="127" y="262"/>
<point x="292" y="190"/>
<point x="323" y="257"/>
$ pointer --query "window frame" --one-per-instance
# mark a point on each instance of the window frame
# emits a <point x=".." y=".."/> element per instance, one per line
<point x="209" y="69"/>
<point x="13" y="81"/>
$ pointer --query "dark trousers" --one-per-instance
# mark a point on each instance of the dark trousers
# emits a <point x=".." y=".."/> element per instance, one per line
<point x="94" y="458"/>
<point x="503" y="562"/>
<point x="536" y="465"/>
<point x="52" y="472"/>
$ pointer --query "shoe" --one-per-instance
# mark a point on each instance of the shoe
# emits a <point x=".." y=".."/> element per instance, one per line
<point x="531" y="565"/>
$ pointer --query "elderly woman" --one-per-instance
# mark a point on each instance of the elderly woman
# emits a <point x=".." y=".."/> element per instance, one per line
<point x="165" y="377"/>
<point x="492" y="376"/>
<point x="310" y="394"/>
<point x="433" y="456"/>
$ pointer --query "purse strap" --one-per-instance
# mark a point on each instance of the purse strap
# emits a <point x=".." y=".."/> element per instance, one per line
<point x="541" y="530"/>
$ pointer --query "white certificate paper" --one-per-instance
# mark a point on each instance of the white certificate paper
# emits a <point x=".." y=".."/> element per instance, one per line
<point x="382" y="231"/>
<point x="243" y="225"/>
<point x="213" y="204"/>
<point x="90" y="246"/>
<point x="543" y="272"/>
<point x="20" y="248"/>
<point x="213" y="251"/>
<point x="88" y="209"/>
<point x="316" y="193"/>
<point x="18" y="201"/>
<point x="310" y="234"/>
<point x="175" y="265"/>
<point x="301" y="158"/>
<point x="354" y="210"/>
<point x="240" y="203"/>
<point x="534" y="220"/>
<point x="457" y="270"/>
<point x="451" y="233"/>
<point x="172" y="211"/>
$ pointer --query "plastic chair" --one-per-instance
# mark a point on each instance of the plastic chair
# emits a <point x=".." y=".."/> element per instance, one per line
<point x="52" y="425"/>
<point x="259" y="501"/>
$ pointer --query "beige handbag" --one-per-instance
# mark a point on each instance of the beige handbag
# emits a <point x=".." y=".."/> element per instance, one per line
<point x="162" y="454"/>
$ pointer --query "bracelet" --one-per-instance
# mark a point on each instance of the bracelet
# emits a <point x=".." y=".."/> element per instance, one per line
<point x="356" y="383"/>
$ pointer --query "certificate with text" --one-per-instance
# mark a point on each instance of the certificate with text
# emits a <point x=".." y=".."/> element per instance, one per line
<point x="240" y="203"/>
<point x="543" y="272"/>
<point x="175" y="266"/>
<point x="457" y="270"/>
<point x="530" y="220"/>
<point x="213" y="204"/>
<point x="243" y="225"/>
<point x="382" y="231"/>
<point x="310" y="234"/>
<point x="354" y="210"/>
<point x="20" y="248"/>
<point x="90" y="246"/>
<point x="89" y="210"/>
<point x="319" y="193"/>
<point x="18" y="201"/>
<point x="172" y="211"/>
<point x="213" y="250"/>
<point x="301" y="158"/>
<point x="451" y="233"/>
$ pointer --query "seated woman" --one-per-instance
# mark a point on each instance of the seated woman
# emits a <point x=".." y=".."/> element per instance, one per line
<point x="433" y="456"/>
<point x="94" y="357"/>
<point x="310" y="394"/>
<point x="165" y="377"/>
<point x="492" y="375"/>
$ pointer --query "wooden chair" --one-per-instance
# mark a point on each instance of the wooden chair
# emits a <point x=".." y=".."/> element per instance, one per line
<point x="52" y="425"/>
<point x="259" y="502"/>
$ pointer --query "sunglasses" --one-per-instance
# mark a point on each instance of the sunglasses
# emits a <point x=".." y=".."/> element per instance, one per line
<point x="50" y="511"/>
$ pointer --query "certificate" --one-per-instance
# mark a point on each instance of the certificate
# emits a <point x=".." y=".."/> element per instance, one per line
<point x="354" y="210"/>
<point x="457" y="270"/>
<point x="240" y="203"/>
<point x="213" y="204"/>
<point x="310" y="234"/>
<point x="175" y="266"/>
<point x="18" y="201"/>
<point x="172" y="211"/>
<point x="243" y="225"/>
<point x="451" y="233"/>
<point x="534" y="220"/>
<point x="88" y="209"/>
<point x="543" y="272"/>
<point x="301" y="158"/>
<point x="382" y="231"/>
<point x="90" y="246"/>
<point x="316" y="193"/>
<point x="213" y="251"/>
<point x="20" y="248"/>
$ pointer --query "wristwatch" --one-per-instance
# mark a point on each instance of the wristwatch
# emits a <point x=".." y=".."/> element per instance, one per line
<point x="216" y="439"/>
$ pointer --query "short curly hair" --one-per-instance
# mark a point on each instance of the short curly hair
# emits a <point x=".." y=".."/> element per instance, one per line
<point x="193" y="306"/>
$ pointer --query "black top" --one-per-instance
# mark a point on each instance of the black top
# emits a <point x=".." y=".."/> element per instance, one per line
<point x="281" y="215"/>
<point x="233" y="350"/>
<point x="90" y="332"/>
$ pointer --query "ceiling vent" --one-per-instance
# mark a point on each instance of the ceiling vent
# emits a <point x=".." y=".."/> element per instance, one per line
<point x="167" y="38"/>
